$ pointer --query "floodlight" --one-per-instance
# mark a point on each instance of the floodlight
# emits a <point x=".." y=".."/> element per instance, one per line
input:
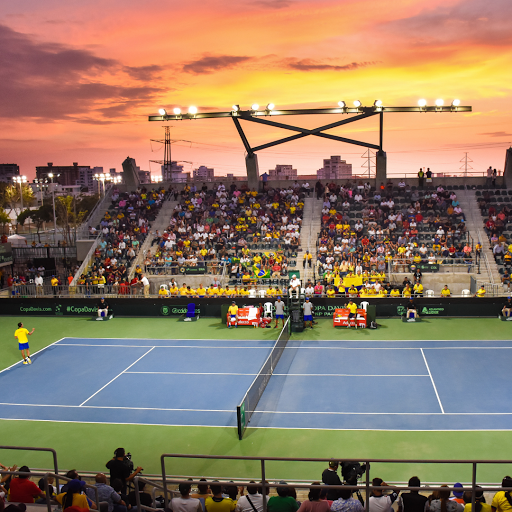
<point x="235" y="108"/>
<point x="377" y="103"/>
<point x="342" y="104"/>
<point x="271" y="106"/>
<point x="162" y="111"/>
<point x="455" y="103"/>
<point x="439" y="102"/>
<point x="422" y="103"/>
<point x="255" y="106"/>
<point x="192" y="110"/>
<point x="177" y="111"/>
<point x="357" y="103"/>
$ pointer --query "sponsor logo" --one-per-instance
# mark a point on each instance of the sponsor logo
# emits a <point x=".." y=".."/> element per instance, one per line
<point x="165" y="310"/>
<point x="432" y="311"/>
<point x="81" y="309"/>
<point x="33" y="309"/>
<point x="400" y="310"/>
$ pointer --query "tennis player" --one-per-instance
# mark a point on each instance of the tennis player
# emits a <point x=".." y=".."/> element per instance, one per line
<point x="233" y="314"/>
<point x="352" y="308"/>
<point x="21" y="335"/>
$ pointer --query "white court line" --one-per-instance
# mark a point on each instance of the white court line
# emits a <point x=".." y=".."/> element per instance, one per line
<point x="432" y="380"/>
<point x="175" y="339"/>
<point x="35" y="353"/>
<point x="334" y="413"/>
<point x="391" y="348"/>
<point x="117" y="407"/>
<point x="192" y="373"/>
<point x="269" y="428"/>
<point x="279" y="374"/>
<point x="156" y="346"/>
<point x="117" y="376"/>
<point x="342" y="375"/>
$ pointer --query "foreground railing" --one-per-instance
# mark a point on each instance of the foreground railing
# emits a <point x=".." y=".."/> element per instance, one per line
<point x="366" y="486"/>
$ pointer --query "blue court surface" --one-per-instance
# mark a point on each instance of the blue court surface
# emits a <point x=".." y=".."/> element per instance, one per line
<point x="369" y="385"/>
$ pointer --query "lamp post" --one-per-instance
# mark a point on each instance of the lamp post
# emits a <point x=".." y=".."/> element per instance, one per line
<point x="20" y="180"/>
<point x="40" y="186"/>
<point x="51" y="176"/>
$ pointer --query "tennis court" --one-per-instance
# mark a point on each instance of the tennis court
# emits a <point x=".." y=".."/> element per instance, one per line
<point x="336" y="385"/>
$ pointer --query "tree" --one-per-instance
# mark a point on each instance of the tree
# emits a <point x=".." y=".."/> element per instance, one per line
<point x="71" y="212"/>
<point x="4" y="219"/>
<point x="40" y="216"/>
<point x="22" y="217"/>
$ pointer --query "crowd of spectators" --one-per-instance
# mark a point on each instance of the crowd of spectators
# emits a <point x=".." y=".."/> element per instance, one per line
<point x="123" y="229"/>
<point x="364" y="230"/>
<point x="249" y="232"/>
<point x="498" y="214"/>
<point x="116" y="494"/>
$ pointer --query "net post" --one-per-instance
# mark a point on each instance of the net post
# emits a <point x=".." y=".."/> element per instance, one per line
<point x="239" y="422"/>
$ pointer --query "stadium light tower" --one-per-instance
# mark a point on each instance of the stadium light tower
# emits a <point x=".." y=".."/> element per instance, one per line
<point x="358" y="112"/>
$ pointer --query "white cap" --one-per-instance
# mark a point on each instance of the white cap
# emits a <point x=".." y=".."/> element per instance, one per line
<point x="294" y="275"/>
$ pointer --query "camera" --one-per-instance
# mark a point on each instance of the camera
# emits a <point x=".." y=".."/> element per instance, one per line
<point x="352" y="471"/>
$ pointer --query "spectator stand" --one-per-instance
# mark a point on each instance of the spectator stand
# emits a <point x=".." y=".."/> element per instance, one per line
<point x="123" y="229"/>
<point x="366" y="230"/>
<point x="253" y="236"/>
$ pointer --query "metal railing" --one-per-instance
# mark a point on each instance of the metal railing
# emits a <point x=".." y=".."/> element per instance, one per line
<point x="155" y="486"/>
<point x="448" y="264"/>
<point x="87" y="260"/>
<point x="366" y="486"/>
<point x="29" y="253"/>
<point x="45" y="475"/>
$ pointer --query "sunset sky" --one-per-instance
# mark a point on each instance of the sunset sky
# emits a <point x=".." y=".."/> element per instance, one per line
<point x="78" y="79"/>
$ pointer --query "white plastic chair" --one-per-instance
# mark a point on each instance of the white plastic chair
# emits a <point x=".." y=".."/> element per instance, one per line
<point x="262" y="294"/>
<point x="268" y="310"/>
<point x="252" y="293"/>
<point x="466" y="293"/>
<point x="364" y="305"/>
<point x="429" y="293"/>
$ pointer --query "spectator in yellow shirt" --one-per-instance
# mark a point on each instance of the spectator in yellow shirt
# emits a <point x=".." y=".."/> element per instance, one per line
<point x="480" y="292"/>
<point x="163" y="292"/>
<point x="233" y="314"/>
<point x="445" y="292"/>
<point x="418" y="290"/>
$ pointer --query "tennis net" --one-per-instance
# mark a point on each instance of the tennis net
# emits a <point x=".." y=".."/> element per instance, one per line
<point x="250" y="401"/>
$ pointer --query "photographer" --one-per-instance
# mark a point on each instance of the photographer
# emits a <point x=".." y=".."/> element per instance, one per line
<point x="121" y="467"/>
<point x="330" y="477"/>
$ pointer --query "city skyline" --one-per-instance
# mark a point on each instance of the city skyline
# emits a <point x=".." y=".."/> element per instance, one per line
<point x="80" y="79"/>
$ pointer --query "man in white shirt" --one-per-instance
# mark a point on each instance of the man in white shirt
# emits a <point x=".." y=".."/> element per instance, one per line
<point x="252" y="502"/>
<point x="145" y="284"/>
<point x="380" y="502"/>
<point x="295" y="285"/>
<point x="185" y="503"/>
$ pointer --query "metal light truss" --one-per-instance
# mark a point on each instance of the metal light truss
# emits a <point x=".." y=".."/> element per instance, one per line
<point x="262" y="117"/>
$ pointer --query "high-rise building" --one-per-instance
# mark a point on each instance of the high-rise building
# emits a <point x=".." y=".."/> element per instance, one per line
<point x="334" y="169"/>
<point x="7" y="171"/>
<point x="70" y="175"/>
<point x="283" y="172"/>
<point x="203" y="173"/>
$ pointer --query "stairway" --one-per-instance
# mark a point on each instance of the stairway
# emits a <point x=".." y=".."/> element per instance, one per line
<point x="311" y="223"/>
<point x="475" y="225"/>
<point x="161" y="223"/>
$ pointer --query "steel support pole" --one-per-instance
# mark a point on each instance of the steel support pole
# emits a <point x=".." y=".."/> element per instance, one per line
<point x="54" y="219"/>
